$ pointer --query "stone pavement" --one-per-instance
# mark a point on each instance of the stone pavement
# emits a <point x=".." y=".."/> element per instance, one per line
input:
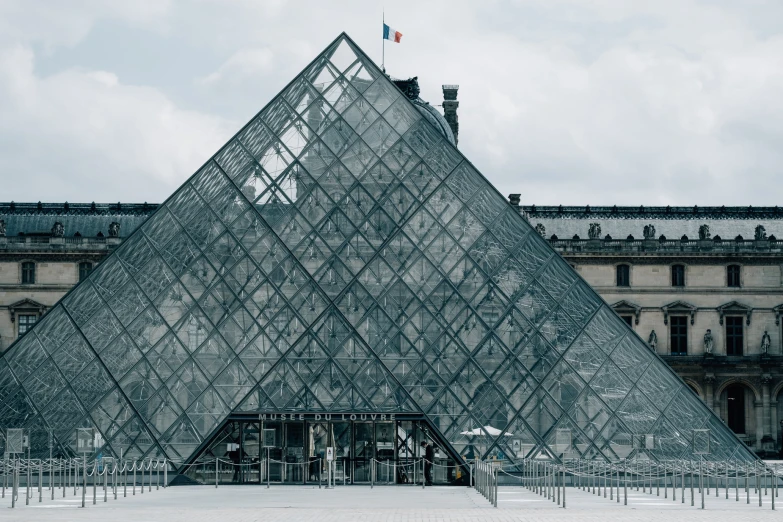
<point x="381" y="504"/>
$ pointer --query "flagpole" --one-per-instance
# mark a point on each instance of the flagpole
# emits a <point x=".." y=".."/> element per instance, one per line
<point x="383" y="45"/>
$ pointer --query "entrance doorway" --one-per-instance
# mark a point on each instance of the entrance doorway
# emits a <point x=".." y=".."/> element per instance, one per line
<point x="391" y="448"/>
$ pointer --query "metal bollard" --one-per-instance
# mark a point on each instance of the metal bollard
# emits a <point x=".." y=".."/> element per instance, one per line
<point x="134" y="477"/>
<point x="701" y="483"/>
<point x="372" y="473"/>
<point x="625" y="483"/>
<point x="165" y="474"/>
<point x="216" y="475"/>
<point x="84" y="481"/>
<point x="94" y="482"/>
<point x="495" y="481"/>
<point x="149" y="478"/>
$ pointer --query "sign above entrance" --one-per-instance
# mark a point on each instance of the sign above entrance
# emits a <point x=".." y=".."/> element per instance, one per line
<point x="328" y="416"/>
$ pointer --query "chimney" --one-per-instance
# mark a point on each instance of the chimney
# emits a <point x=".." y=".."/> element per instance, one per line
<point x="514" y="199"/>
<point x="450" y="105"/>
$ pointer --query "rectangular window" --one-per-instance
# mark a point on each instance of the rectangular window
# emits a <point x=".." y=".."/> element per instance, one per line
<point x="734" y="335"/>
<point x="733" y="276"/>
<point x="26" y="322"/>
<point x="628" y="320"/>
<point x="623" y="275"/>
<point x="28" y="273"/>
<point x="84" y="270"/>
<point x="678" y="275"/>
<point x="678" y="329"/>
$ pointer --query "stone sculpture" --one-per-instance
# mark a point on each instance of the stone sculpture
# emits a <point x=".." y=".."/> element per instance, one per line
<point x="594" y="232"/>
<point x="765" y="343"/>
<point x="58" y="230"/>
<point x="652" y="341"/>
<point x="704" y="232"/>
<point x="541" y="229"/>
<point x="649" y="231"/>
<point x="114" y="229"/>
<point x="2" y="228"/>
<point x="708" y="342"/>
<point x="761" y="233"/>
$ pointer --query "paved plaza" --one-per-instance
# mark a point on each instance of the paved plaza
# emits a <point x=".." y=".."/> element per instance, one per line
<point x="380" y="504"/>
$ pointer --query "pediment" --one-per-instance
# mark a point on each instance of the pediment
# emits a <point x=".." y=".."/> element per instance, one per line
<point x="735" y="308"/>
<point x="679" y="308"/>
<point x="626" y="307"/>
<point x="26" y="305"/>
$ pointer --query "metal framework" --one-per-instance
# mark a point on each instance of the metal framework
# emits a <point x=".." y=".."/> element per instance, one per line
<point x="340" y="255"/>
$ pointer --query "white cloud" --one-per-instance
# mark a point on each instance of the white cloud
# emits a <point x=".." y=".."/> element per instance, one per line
<point x="242" y="66"/>
<point x="86" y="135"/>
<point x="565" y="101"/>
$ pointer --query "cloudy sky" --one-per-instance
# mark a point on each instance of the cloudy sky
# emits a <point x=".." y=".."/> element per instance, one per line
<point x="596" y="102"/>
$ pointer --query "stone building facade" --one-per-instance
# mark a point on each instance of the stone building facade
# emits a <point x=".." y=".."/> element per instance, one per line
<point x="674" y="272"/>
<point x="46" y="248"/>
<point x="702" y="286"/>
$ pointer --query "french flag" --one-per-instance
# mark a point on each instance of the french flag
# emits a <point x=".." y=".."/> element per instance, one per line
<point x="391" y="34"/>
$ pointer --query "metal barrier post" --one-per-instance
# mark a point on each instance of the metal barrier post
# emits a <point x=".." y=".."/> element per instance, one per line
<point x="134" y="477"/>
<point x="701" y="482"/>
<point x="149" y="478"/>
<point x="165" y="473"/>
<point x="157" y="480"/>
<point x="216" y="475"/>
<point x="372" y="473"/>
<point x="84" y="481"/>
<point x="94" y="481"/>
<point x="125" y="479"/>
<point x="495" y="480"/>
<point x="625" y="482"/>
<point x="40" y="480"/>
<point x="13" y="486"/>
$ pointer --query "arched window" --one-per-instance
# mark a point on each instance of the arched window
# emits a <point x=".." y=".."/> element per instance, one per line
<point x="735" y="408"/>
<point x="623" y="275"/>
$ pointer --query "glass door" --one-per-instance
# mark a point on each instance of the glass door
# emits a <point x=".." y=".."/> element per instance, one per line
<point x="340" y="438"/>
<point x="384" y="453"/>
<point x="318" y="440"/>
<point x="294" y="453"/>
<point x="363" y="451"/>
<point x="405" y="452"/>
<point x="274" y="467"/>
<point x="250" y="453"/>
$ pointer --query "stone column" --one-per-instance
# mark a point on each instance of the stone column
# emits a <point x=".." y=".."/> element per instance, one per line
<point x="773" y="414"/>
<point x="765" y="380"/>
<point x="709" y="400"/>
<point x="757" y="406"/>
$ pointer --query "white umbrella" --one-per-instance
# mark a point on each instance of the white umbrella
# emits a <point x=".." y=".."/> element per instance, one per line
<point x="486" y="430"/>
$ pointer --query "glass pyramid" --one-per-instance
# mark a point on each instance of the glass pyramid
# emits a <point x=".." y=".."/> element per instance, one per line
<point x="340" y="255"/>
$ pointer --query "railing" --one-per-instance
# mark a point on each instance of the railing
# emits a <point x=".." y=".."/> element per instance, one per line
<point x="551" y="479"/>
<point x="62" y="475"/>
<point x="33" y="243"/>
<point x="668" y="246"/>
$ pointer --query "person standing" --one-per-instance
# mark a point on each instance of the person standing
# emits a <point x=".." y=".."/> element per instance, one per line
<point x="429" y="458"/>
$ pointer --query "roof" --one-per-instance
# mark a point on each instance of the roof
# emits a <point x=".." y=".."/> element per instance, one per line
<point x="88" y="219"/>
<point x="672" y="222"/>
